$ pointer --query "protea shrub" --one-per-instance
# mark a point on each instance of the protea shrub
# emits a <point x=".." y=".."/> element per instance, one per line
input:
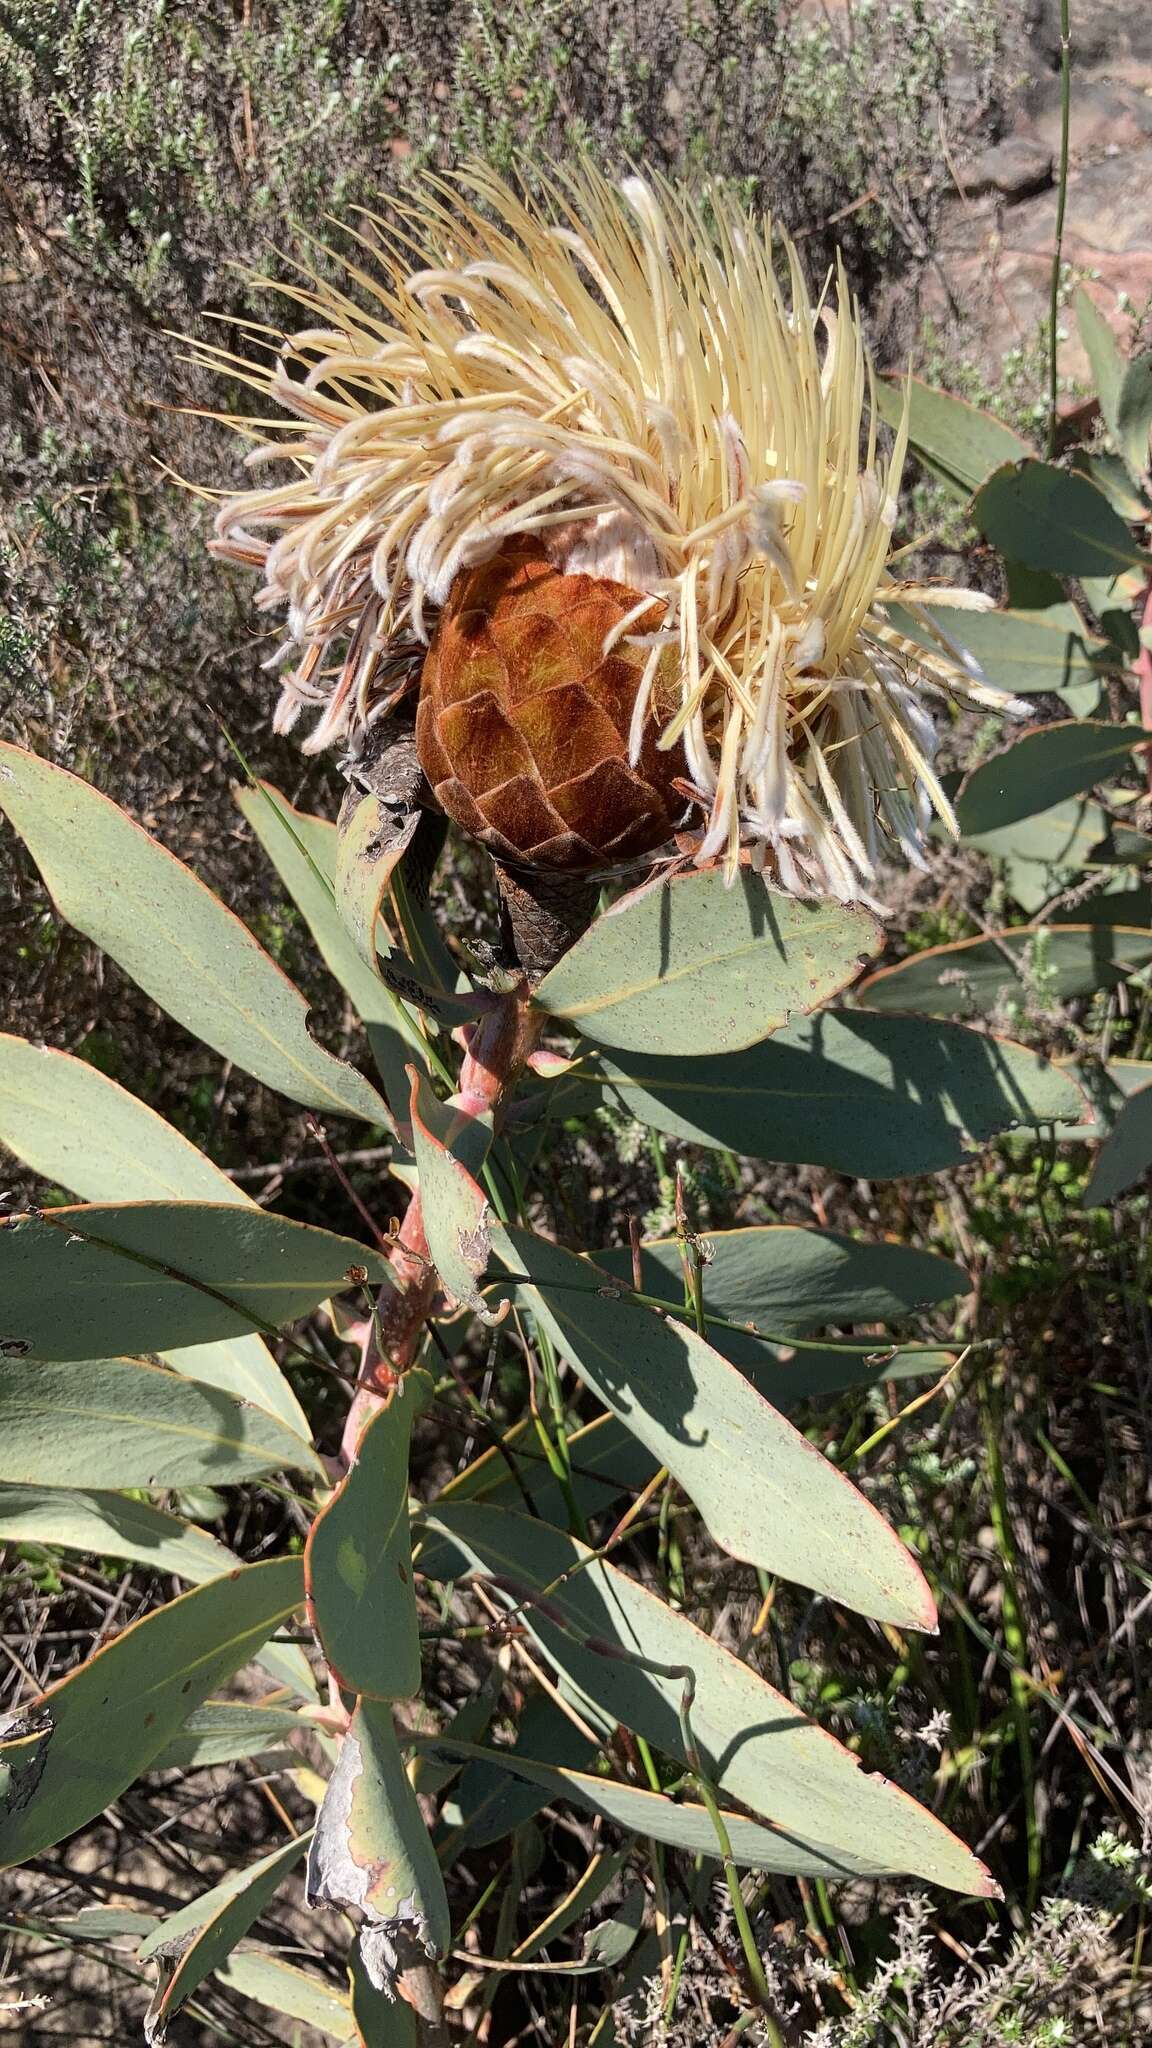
<point x="574" y="524"/>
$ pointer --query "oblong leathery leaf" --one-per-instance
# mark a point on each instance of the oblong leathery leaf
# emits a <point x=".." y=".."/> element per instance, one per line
<point x="766" y="1494"/>
<point x="1043" y="768"/>
<point x="1021" y="652"/>
<point x="788" y="1277"/>
<point x="756" y="1747"/>
<point x="152" y="915"/>
<point x="372" y="1851"/>
<point x="375" y="847"/>
<point x="953" y="438"/>
<point x="243" y="1366"/>
<point x="455" y="1209"/>
<point x="863" y="1094"/>
<point x="681" y="1824"/>
<point x="787" y="1282"/>
<point x="114" y="1422"/>
<point x="70" y="1123"/>
<point x="1106" y="1088"/>
<point x="101" y="1923"/>
<point x="1111" y="474"/>
<point x="1037" y="856"/>
<point x="1126" y="1153"/>
<point x="148" y="1276"/>
<point x="371" y="840"/>
<point x="1134" y="413"/>
<point x="971" y="976"/>
<point x="271" y="1981"/>
<point x="111" y="1525"/>
<point x="487" y="1804"/>
<point x="302" y="849"/>
<point x="1049" y="518"/>
<point x="377" y="2015"/>
<point x="1103" y="352"/>
<point x="96" y="1730"/>
<point x="697" y="968"/>
<point x="170" y="1932"/>
<point x="1115" y="903"/>
<point x="358" y="1559"/>
<point x="216" y="1922"/>
<point x="223" y="1731"/>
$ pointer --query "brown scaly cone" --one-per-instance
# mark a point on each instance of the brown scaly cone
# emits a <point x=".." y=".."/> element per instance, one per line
<point x="522" y="731"/>
<point x="522" y="727"/>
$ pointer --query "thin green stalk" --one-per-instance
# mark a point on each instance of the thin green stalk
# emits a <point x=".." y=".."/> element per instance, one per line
<point x="678" y="1963"/>
<point x="556" y="1449"/>
<point x="671" y="1557"/>
<point x="1015" y="1642"/>
<point x="752" y="1958"/>
<point x="1061" y="204"/>
<point x="679" y="1960"/>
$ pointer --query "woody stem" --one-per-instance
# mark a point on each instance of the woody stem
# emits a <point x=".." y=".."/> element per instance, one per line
<point x="496" y="1052"/>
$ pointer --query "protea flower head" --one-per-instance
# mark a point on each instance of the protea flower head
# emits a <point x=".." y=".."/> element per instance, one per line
<point x="595" y="475"/>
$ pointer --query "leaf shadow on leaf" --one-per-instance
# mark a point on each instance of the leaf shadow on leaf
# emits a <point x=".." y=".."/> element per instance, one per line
<point x="615" y="1689"/>
<point x="879" y="1095"/>
<point x="127" y="1423"/>
<point x="617" y="1357"/>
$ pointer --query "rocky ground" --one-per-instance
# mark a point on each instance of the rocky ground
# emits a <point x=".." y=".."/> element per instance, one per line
<point x="989" y="280"/>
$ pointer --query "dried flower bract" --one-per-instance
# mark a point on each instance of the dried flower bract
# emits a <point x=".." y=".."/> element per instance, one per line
<point x="638" y="382"/>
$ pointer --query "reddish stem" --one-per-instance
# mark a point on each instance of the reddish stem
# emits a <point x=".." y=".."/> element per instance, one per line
<point x="497" y="1048"/>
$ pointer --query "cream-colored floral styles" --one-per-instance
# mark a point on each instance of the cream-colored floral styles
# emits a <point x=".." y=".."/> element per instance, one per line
<point x="622" y="372"/>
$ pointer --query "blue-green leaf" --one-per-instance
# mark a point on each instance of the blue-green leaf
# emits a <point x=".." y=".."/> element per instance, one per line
<point x="765" y="1493"/>
<point x="152" y="915"/>
<point x="81" y="1743"/>
<point x="873" y="1095"/>
<point x="696" y="968"/>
